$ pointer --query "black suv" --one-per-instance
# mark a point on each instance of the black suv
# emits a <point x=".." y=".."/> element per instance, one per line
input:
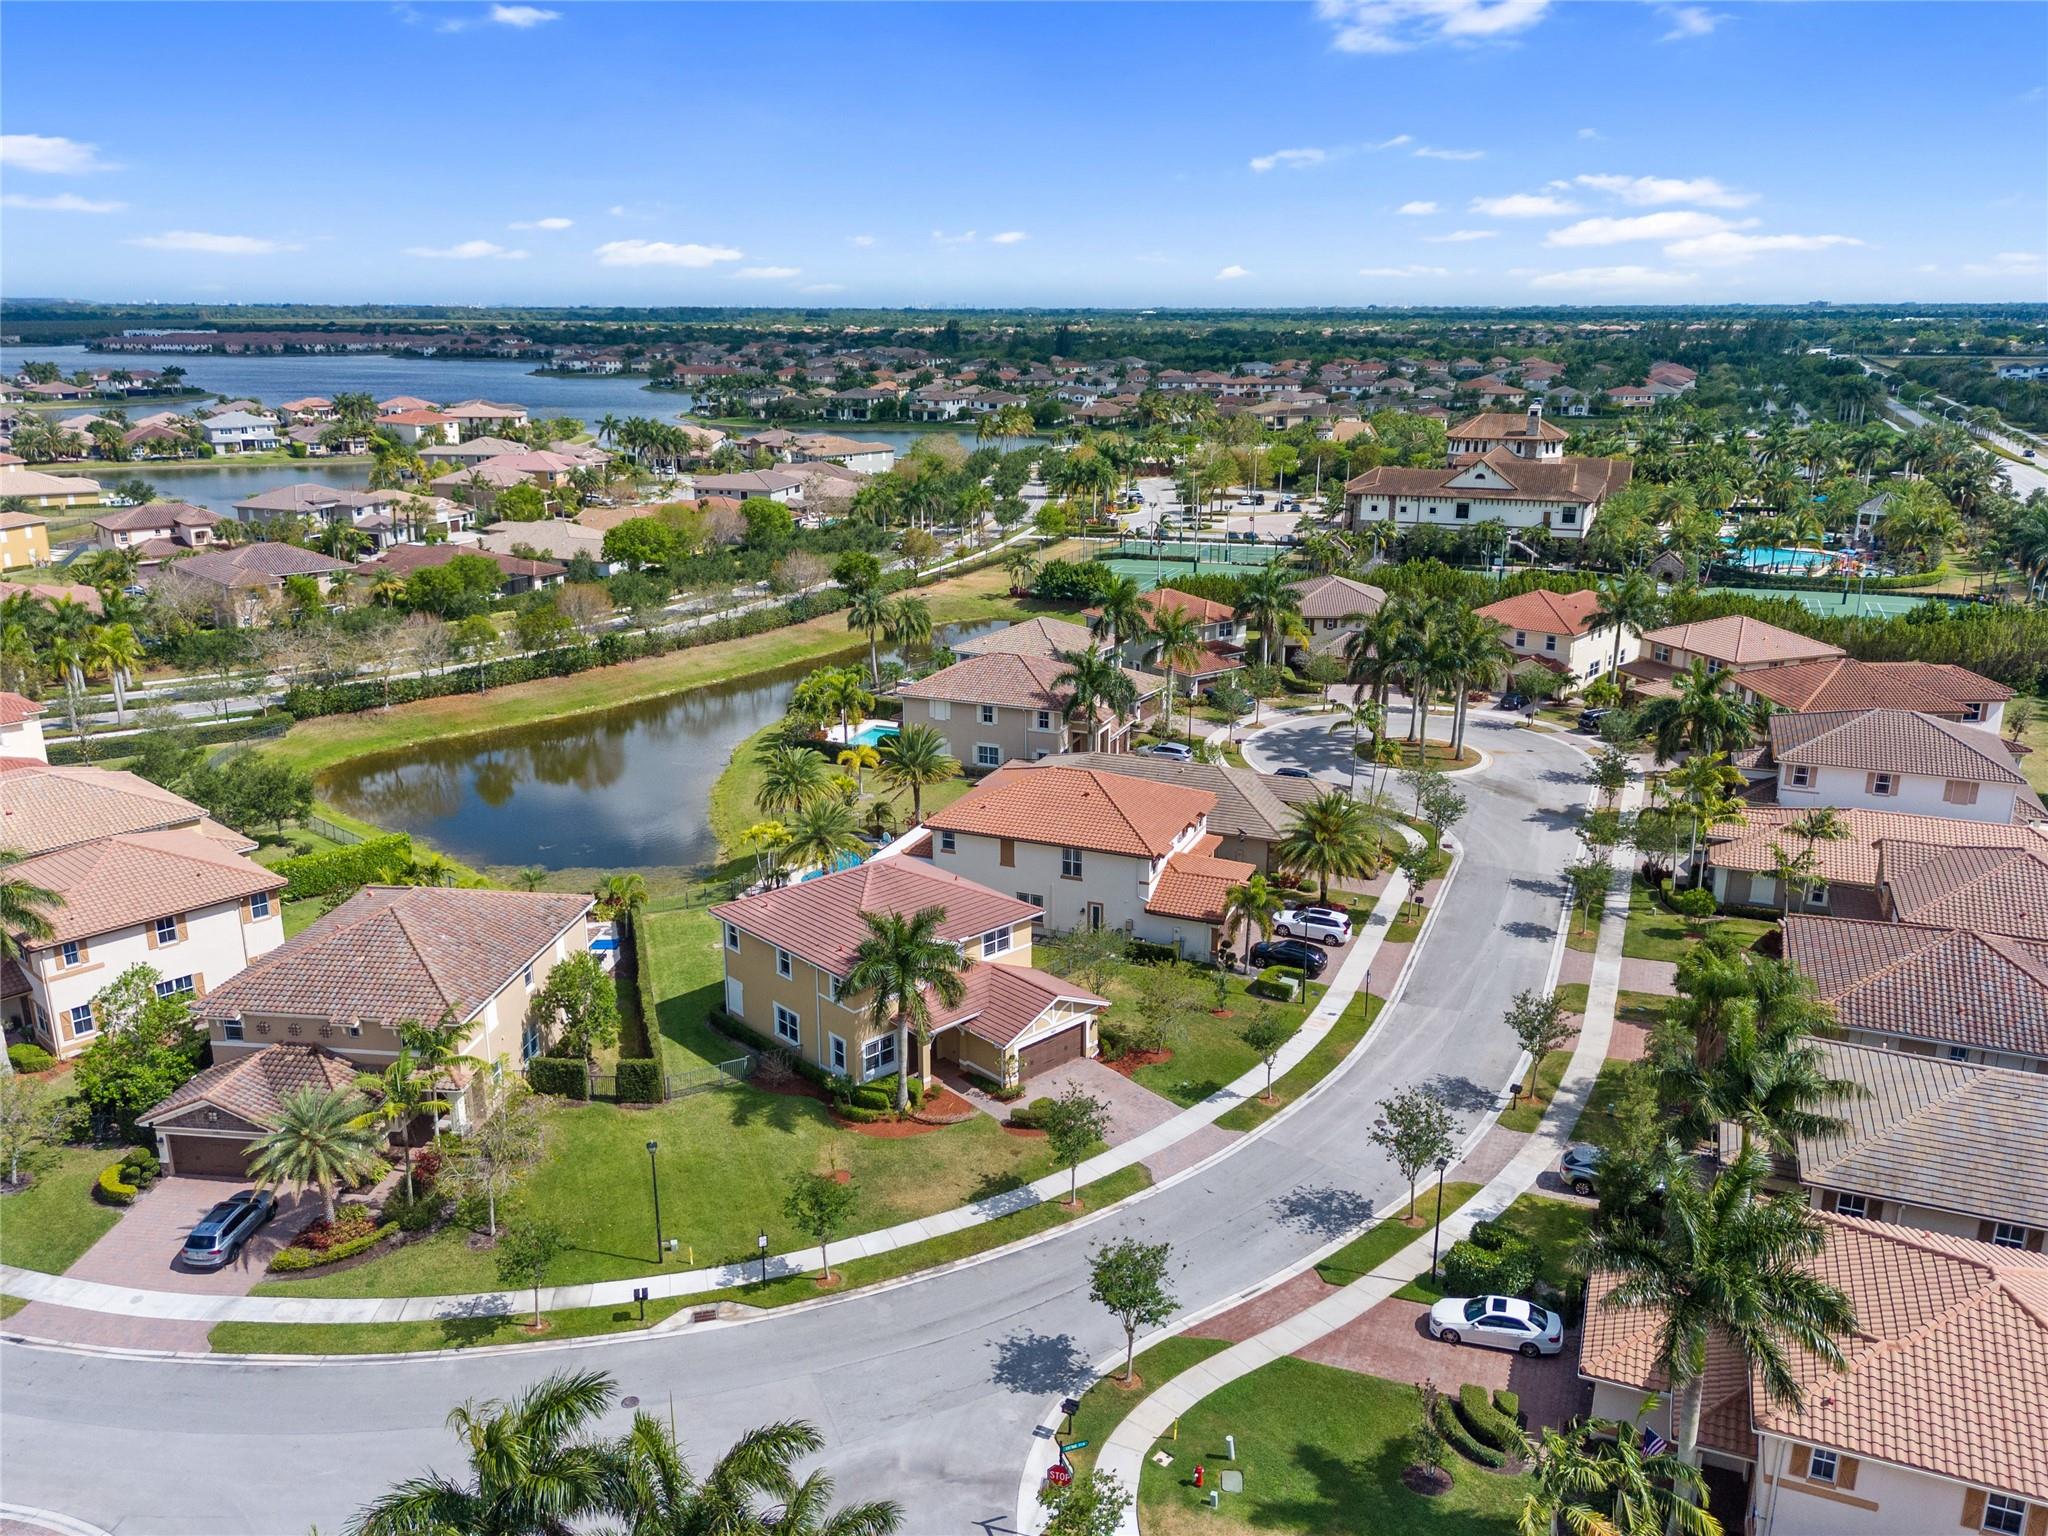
<point x="222" y="1230"/>
<point x="1297" y="953"/>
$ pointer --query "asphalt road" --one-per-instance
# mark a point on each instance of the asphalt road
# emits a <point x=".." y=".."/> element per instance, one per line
<point x="926" y="1391"/>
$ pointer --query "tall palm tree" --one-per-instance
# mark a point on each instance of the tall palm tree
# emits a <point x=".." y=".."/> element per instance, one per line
<point x="897" y="963"/>
<point x="1772" y="1083"/>
<point x="1599" y="1478"/>
<point x="113" y="651"/>
<point x="1822" y="824"/>
<point x="318" y="1143"/>
<point x="1477" y="654"/>
<point x="1332" y="835"/>
<point x="821" y="833"/>
<point x="532" y="1469"/>
<point x="1093" y="681"/>
<point x="1708" y="789"/>
<point x="1119" y="612"/>
<point x="1367" y="719"/>
<point x="400" y="1094"/>
<point x="25" y="909"/>
<point x="1628" y="607"/>
<point x="909" y="623"/>
<point x="1176" y="637"/>
<point x="1721" y="1264"/>
<point x="622" y="895"/>
<point x="791" y="778"/>
<point x="915" y="758"/>
<point x="1250" y="907"/>
<point x="1270" y="602"/>
<point x="868" y="612"/>
<point x="1701" y="715"/>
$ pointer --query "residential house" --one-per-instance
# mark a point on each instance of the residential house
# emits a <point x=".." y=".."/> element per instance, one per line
<point x="309" y="408"/>
<point x="1253" y="811"/>
<point x="416" y="427"/>
<point x="156" y="531"/>
<point x="471" y="450"/>
<point x="775" y="484"/>
<point x="1893" y="759"/>
<point x="519" y="574"/>
<point x="1221" y="637"/>
<point x="1673" y="376"/>
<point x="551" y="538"/>
<point x="789" y="953"/>
<point x="1094" y="849"/>
<point x="1557" y="496"/>
<point x="1334" y="608"/>
<point x="24" y="540"/>
<point x="53" y="591"/>
<point x="46" y="491"/>
<point x="1633" y="397"/>
<point x="45" y="808"/>
<point x="305" y="498"/>
<point x="21" y="728"/>
<point x="476" y="417"/>
<point x="856" y="404"/>
<point x="1044" y="637"/>
<point x="1927" y="1427"/>
<point x="1527" y="437"/>
<point x="1732" y="643"/>
<point x="1843" y="683"/>
<point x="241" y="432"/>
<point x="824" y="447"/>
<point x="1001" y="706"/>
<point x="244" y="581"/>
<point x="328" y="1003"/>
<point x="1556" y="629"/>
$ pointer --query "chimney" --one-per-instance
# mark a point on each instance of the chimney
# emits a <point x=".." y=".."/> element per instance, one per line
<point x="1535" y="417"/>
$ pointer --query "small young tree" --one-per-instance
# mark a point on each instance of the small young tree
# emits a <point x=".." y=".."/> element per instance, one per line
<point x="29" y="1117"/>
<point x="1265" y="1032"/>
<point x="1074" y="1124"/>
<point x="1610" y="772"/>
<point x="1093" y="1504"/>
<point x="1414" y="1129"/>
<point x="1442" y="806"/>
<point x="1539" y="1024"/>
<point x="1415" y="861"/>
<point x="1129" y="1278"/>
<point x="1426" y="1444"/>
<point x="526" y="1253"/>
<point x="1589" y="879"/>
<point x="498" y="1152"/>
<point x="817" y="1205"/>
<point x="577" y="1008"/>
<point x="1167" y="994"/>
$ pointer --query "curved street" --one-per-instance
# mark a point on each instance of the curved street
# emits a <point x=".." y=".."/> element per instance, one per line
<point x="926" y="1390"/>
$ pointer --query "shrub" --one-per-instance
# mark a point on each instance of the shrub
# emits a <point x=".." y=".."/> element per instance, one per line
<point x="1031" y="1116"/>
<point x="871" y="1096"/>
<point x="888" y="1087"/>
<point x="861" y="1115"/>
<point x="375" y="861"/>
<point x="29" y="1058"/>
<point x="1460" y="1437"/>
<point x="1490" y="1262"/>
<point x="350" y="1222"/>
<point x="1508" y="1404"/>
<point x="1009" y="1093"/>
<point x="287" y="1260"/>
<point x="113" y="1189"/>
<point x="426" y="1167"/>
<point x="423" y="1210"/>
<point x="1274" y="983"/>
<point x="141" y="1167"/>
<point x="1695" y="902"/>
<point x="747" y="1035"/>
<point x="566" y="1077"/>
<point x="1488" y="1424"/>
<point x="639" y="1080"/>
<point x="1145" y="952"/>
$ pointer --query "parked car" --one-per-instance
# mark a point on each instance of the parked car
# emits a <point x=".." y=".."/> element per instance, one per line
<point x="1292" y="773"/>
<point x="1498" y="1322"/>
<point x="1589" y="719"/>
<point x="1512" y="701"/>
<point x="1247" y="501"/>
<point x="1331" y="925"/>
<point x="1297" y="953"/>
<point x="222" y="1230"/>
<point x="1178" y="751"/>
<point x="1580" y="1166"/>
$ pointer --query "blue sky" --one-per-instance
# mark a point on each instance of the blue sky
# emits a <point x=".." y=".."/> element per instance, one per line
<point x="1348" y="152"/>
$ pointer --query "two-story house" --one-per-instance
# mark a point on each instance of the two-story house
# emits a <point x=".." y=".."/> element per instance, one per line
<point x="244" y="582"/>
<point x="1253" y="812"/>
<point x="328" y="1003"/>
<point x="21" y="728"/>
<point x="1220" y="634"/>
<point x="1042" y="636"/>
<point x="157" y="531"/>
<point x="1334" y="608"/>
<point x="415" y="427"/>
<point x="241" y="432"/>
<point x="1556" y="629"/>
<point x="1002" y="706"/>
<point x="1844" y="683"/>
<point x="1528" y="437"/>
<point x="789" y="953"/>
<point x="1732" y="643"/>
<point x="24" y="540"/>
<point x="1559" y="497"/>
<point x="1895" y="760"/>
<point x="1095" y="849"/>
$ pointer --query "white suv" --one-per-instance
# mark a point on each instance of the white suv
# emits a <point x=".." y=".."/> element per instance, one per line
<point x="1332" y="925"/>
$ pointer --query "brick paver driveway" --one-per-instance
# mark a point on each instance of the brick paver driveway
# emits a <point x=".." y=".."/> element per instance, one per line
<point x="142" y="1248"/>
<point x="1133" y="1108"/>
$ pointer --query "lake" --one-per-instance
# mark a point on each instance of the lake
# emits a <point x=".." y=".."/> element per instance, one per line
<point x="625" y="788"/>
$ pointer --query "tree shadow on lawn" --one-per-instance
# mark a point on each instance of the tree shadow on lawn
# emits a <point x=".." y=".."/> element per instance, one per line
<point x="1040" y="1364"/>
<point x="1325" y="1213"/>
<point x="474" y="1321"/>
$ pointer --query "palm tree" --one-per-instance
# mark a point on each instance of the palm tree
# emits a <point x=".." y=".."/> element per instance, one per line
<point x="909" y="623"/>
<point x="1119" y="612"/>
<point x="842" y="692"/>
<point x="1708" y="789"/>
<point x="113" y="650"/>
<point x="622" y="895"/>
<point x="1721" y="1264"/>
<point x="1701" y="715"/>
<point x="821" y="833"/>
<point x="1628" y="607"/>
<point x="1251" y="906"/>
<point x="1823" y="824"/>
<point x="896" y="963"/>
<point x="1600" y="1479"/>
<point x="1332" y="835"/>
<point x="1021" y="566"/>
<point x="319" y="1142"/>
<point x="532" y="1473"/>
<point x="1271" y="602"/>
<point x="791" y="778"/>
<point x="1771" y="1081"/>
<point x="650" y="1484"/>
<point x="24" y="909"/>
<point x="1359" y="719"/>
<point x="1176" y="637"/>
<point x="857" y="760"/>
<point x="402" y="1092"/>
<point x="868" y="612"/>
<point x="915" y="758"/>
<point x="1477" y="655"/>
<point x="1093" y="681"/>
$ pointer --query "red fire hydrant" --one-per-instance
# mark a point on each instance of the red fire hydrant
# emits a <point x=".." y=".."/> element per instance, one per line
<point x="1198" y="1474"/>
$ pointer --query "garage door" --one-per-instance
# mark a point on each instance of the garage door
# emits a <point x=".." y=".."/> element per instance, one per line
<point x="1068" y="1045"/>
<point x="203" y="1156"/>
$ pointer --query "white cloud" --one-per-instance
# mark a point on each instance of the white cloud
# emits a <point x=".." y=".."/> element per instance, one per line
<point x="1395" y="26"/>
<point x="62" y="202"/>
<point x="1612" y="277"/>
<point x="1429" y="153"/>
<point x="617" y="210"/>
<point x="1653" y="191"/>
<point x="1395" y="142"/>
<point x="1461" y="236"/>
<point x="2007" y="262"/>
<point x="1677" y="224"/>
<point x="662" y="253"/>
<point x="965" y="237"/>
<point x="468" y="250"/>
<point x="522" y="16"/>
<point x="768" y="274"/>
<point x="1417" y="209"/>
<point x="861" y="240"/>
<point x="50" y="156"/>
<point x="1413" y="270"/>
<point x="556" y="223"/>
<point x="213" y="245"/>
<point x="1293" y="159"/>
<point x="1727" y="246"/>
<point x="1232" y="273"/>
<point x="1589" y="133"/>
<point x="1689" y="21"/>
<point x="1523" y="205"/>
<point x="822" y="288"/>
<point x="1009" y="237"/>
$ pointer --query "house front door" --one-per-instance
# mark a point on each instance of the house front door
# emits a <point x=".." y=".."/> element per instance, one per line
<point x="735" y="997"/>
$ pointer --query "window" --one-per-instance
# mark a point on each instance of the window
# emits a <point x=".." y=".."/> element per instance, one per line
<point x="167" y="930"/>
<point x="1464" y="510"/>
<point x="1882" y="784"/>
<point x="1851" y="1205"/>
<point x="877" y="1056"/>
<point x="1036" y="901"/>
<point x="987" y="755"/>
<point x="995" y="942"/>
<point x="1550" y="642"/>
<point x="939" y="709"/>
<point x="1713" y="667"/>
<point x="1568" y="518"/>
<point x="2004" y="1515"/>
<point x="1802" y="776"/>
<point x="838" y="1053"/>
<point x="1661" y="652"/>
<point x="988" y="714"/>
<point x="355" y="1029"/>
<point x="259" y="904"/>
<point x="1959" y="1053"/>
<point x="1818" y="895"/>
<point x="2008" y="1234"/>
<point x="1822" y="1466"/>
<point x="1521" y="637"/>
<point x="231" y="1029"/>
<point x="1044" y="720"/>
<point x="787" y="1026"/>
<point x="176" y="986"/>
<point x="529" y="1042"/>
<point x="946" y="842"/>
<point x="782" y="963"/>
<point x="1959" y="792"/>
<point x="732" y="938"/>
<point x="72" y="953"/>
<point x="1973" y="711"/>
<point x="80" y="1019"/>
<point x="834" y="986"/>
<point x="526" y="976"/>
<point x="1070" y="863"/>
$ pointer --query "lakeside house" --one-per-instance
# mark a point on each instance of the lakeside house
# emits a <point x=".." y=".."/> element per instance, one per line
<point x="233" y="432"/>
<point x="47" y="491"/>
<point x="998" y="706"/>
<point x="156" y="531"/>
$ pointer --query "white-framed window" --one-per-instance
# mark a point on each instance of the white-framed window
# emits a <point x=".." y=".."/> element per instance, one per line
<point x="988" y="714"/>
<point x="1660" y="652"/>
<point x="1851" y="1205"/>
<point x="987" y="755"/>
<point x="1973" y="711"/>
<point x="1568" y="517"/>
<point x="838" y="1052"/>
<point x="176" y="986"/>
<point x="1043" y="721"/>
<point x="2008" y="1234"/>
<point x="2005" y="1515"/>
<point x="1802" y="776"/>
<point x="1818" y="895"/>
<point x="1070" y="863"/>
<point x="259" y="904"/>
<point x="1550" y="642"/>
<point x="939" y="709"/>
<point x="877" y="1056"/>
<point x="834" y="985"/>
<point x="784" y="966"/>
<point x="995" y="942"/>
<point x="732" y="938"/>
<point x="231" y="1029"/>
<point x="167" y="930"/>
<point x="81" y="1020"/>
<point x="355" y="1029"/>
<point x="526" y="976"/>
<point x="1036" y="901"/>
<point x="1959" y="1053"/>
<point x="530" y="1041"/>
<point x="1882" y="784"/>
<point x="1521" y="637"/>
<point x="1822" y="1466"/>
<point x="948" y="843"/>
<point x="71" y="953"/>
<point x="788" y="1027"/>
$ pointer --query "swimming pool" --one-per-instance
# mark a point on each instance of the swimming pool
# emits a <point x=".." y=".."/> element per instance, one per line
<point x="844" y="861"/>
<point x="1777" y="559"/>
<point x="873" y="734"/>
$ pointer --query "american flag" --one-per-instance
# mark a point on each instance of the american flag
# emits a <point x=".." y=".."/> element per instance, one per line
<point x="1654" y="1444"/>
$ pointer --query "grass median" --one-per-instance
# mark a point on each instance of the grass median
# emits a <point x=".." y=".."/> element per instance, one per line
<point x="1370" y="1249"/>
<point x="1351" y="1027"/>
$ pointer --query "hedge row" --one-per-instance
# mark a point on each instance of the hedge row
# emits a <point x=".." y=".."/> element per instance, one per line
<point x="1461" y="1439"/>
<point x="1907" y="581"/>
<point x="290" y="1260"/>
<point x="1491" y="1427"/>
<point x="639" y="1080"/>
<point x="374" y="861"/>
<point x="68" y="752"/>
<point x="566" y="1077"/>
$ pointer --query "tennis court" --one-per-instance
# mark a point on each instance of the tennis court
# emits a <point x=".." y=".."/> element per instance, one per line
<point x="1152" y="565"/>
<point x="1832" y="602"/>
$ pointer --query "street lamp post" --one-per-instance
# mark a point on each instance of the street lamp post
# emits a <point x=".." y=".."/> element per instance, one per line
<point x="764" y="1258"/>
<point x="654" y="1178"/>
<point x="1436" y="1233"/>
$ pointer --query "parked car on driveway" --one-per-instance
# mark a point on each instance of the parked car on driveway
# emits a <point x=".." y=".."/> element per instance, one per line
<point x="222" y="1230"/>
<point x="1580" y="1167"/>
<point x="1331" y="925"/>
<point x="1589" y="719"/>
<point x="1298" y="953"/>
<point x="1179" y="751"/>
<point x="1498" y="1322"/>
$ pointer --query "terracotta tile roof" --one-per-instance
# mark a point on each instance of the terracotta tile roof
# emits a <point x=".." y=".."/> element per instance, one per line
<point x="1008" y="678"/>
<point x="1193" y="885"/>
<point x="1078" y="808"/>
<point x="1855" y="859"/>
<point x="50" y="591"/>
<point x="1247" y="802"/>
<point x="1987" y="889"/>
<point x="1736" y="640"/>
<point x="157" y="514"/>
<point x="1002" y="1001"/>
<point x="14" y="709"/>
<point x="1947" y="985"/>
<point x="1029" y="637"/>
<point x="43" y="808"/>
<point x="1203" y="610"/>
<point x="1935" y="1133"/>
<point x="253" y="1085"/>
<point x="401" y="952"/>
<point x="1893" y="741"/>
<point x="1584" y="481"/>
<point x="1506" y="425"/>
<point x="1553" y="613"/>
<point x="404" y="559"/>
<point x="821" y="919"/>
<point x="119" y="882"/>
<point x="1843" y="683"/>
<point x="258" y="565"/>
<point x="1946" y="1371"/>
<point x="1338" y="597"/>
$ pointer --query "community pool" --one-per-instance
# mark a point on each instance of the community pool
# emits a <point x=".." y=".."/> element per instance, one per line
<point x="1774" y="558"/>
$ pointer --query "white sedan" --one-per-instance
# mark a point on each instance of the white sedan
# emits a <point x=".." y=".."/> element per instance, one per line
<point x="1332" y="925"/>
<point x="1499" y="1322"/>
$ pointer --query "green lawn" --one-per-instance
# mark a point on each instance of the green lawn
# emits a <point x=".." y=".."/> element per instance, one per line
<point x="442" y="1333"/>
<point x="1556" y="1227"/>
<point x="1108" y="1403"/>
<point x="1596" y="1122"/>
<point x="1369" y="1250"/>
<point x="9" y="1305"/>
<point x="1207" y="1053"/>
<point x="1525" y="1112"/>
<point x="687" y="975"/>
<point x="1657" y="933"/>
<point x="1322" y="1451"/>
<point x="1351" y="1027"/>
<point x="733" y="807"/>
<point x="49" y="1224"/>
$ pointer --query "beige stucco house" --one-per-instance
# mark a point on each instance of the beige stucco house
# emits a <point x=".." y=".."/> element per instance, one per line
<point x="1003" y="706"/>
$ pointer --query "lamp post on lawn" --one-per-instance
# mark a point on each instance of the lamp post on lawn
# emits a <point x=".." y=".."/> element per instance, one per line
<point x="654" y="1179"/>
<point x="1436" y="1233"/>
<point x="764" y="1258"/>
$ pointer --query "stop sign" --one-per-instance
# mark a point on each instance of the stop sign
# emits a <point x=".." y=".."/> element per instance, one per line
<point x="1060" y="1475"/>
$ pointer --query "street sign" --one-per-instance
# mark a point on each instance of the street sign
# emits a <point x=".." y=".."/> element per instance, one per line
<point x="1059" y="1476"/>
<point x="1072" y="1446"/>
